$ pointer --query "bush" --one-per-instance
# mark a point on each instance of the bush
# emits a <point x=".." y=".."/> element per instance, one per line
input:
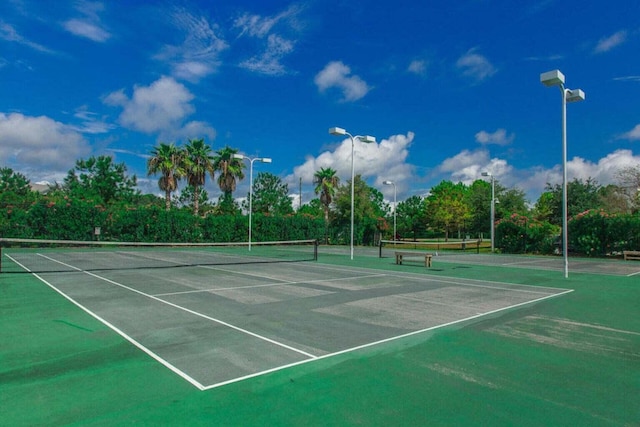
<point x="520" y="234"/>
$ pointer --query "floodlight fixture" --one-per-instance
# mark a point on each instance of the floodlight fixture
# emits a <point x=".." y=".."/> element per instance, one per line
<point x="552" y="78"/>
<point x="367" y="139"/>
<point x="337" y="131"/>
<point x="575" y="95"/>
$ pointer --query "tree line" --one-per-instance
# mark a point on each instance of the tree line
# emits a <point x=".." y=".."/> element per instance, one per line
<point x="99" y="193"/>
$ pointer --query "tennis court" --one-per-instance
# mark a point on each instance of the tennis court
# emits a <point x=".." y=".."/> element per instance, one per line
<point x="215" y="322"/>
<point x="157" y="337"/>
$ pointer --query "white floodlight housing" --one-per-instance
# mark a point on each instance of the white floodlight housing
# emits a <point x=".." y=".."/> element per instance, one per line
<point x="238" y="156"/>
<point x="337" y="131"/>
<point x="367" y="138"/>
<point x="575" y="95"/>
<point x="388" y="182"/>
<point x="265" y="160"/>
<point x="552" y="78"/>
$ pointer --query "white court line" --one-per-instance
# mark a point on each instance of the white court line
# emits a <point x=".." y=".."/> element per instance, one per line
<point x="386" y="340"/>
<point x="633" y="274"/>
<point x="157" y="358"/>
<point x="533" y="261"/>
<point x="281" y="283"/>
<point x="195" y="313"/>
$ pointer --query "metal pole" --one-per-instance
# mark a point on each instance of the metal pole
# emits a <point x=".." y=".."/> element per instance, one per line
<point x="395" y="209"/>
<point x="352" y="190"/>
<point x="250" y="196"/>
<point x="565" y="239"/>
<point x="493" y="212"/>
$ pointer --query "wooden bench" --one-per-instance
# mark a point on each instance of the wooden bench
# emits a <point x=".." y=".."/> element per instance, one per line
<point x="427" y="257"/>
<point x="631" y="255"/>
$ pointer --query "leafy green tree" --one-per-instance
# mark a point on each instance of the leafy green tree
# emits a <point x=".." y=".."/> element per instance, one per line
<point x="479" y="199"/>
<point x="166" y="159"/>
<point x="581" y="196"/>
<point x="447" y="207"/>
<point x="313" y="209"/>
<point x="368" y="213"/>
<point x="326" y="182"/>
<point x="186" y="199"/>
<point x="544" y="207"/>
<point x="411" y="216"/>
<point x="15" y="189"/>
<point x="510" y="201"/>
<point x="270" y="195"/>
<point x="229" y="169"/>
<point x="99" y="179"/>
<point x="198" y="162"/>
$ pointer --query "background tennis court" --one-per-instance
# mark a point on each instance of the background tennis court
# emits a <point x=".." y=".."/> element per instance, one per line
<point x="568" y="358"/>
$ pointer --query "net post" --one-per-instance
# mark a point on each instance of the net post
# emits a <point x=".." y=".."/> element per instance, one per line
<point x="477" y="246"/>
<point x="380" y="249"/>
<point x="315" y="249"/>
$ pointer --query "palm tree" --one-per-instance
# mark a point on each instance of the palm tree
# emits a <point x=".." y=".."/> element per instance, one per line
<point x="326" y="182"/>
<point x="229" y="170"/>
<point x="166" y="159"/>
<point x="197" y="162"/>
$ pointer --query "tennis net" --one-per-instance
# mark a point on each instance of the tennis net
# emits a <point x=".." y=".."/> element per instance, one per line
<point x="388" y="247"/>
<point x="43" y="256"/>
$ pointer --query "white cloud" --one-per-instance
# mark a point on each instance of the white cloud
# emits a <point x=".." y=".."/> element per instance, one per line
<point x="90" y="122"/>
<point x="633" y="134"/>
<point x="418" y="66"/>
<point x="499" y="137"/>
<point x="269" y="61"/>
<point x="475" y="66"/>
<point x="162" y="108"/>
<point x="89" y="26"/>
<point x="385" y="160"/>
<point x="198" y="55"/>
<point x="607" y="43"/>
<point x="467" y="166"/>
<point x="337" y="75"/>
<point x="39" y="142"/>
<point x="627" y="79"/>
<point x="87" y="30"/>
<point x="276" y="47"/>
<point x="258" y="26"/>
<point x="9" y="33"/>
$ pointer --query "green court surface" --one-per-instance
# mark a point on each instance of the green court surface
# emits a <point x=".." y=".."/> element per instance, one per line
<point x="484" y="340"/>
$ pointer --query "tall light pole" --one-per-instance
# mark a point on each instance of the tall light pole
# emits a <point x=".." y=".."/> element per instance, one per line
<point x="556" y="78"/>
<point x="364" y="138"/>
<point x="493" y="208"/>
<point x="395" y="205"/>
<point x="251" y="160"/>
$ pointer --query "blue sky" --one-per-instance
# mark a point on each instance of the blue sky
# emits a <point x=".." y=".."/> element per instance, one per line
<point x="448" y="88"/>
